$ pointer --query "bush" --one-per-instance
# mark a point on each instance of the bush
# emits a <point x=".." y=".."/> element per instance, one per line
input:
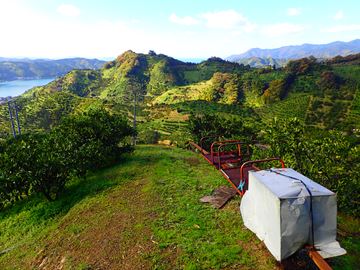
<point x="44" y="162"/>
<point x="301" y="66"/>
<point x="149" y="136"/>
<point x="17" y="158"/>
<point x="329" y="160"/>
<point x="225" y="88"/>
<point x="202" y="125"/>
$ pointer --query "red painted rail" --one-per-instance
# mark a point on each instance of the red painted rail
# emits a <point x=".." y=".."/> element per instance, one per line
<point x="238" y="177"/>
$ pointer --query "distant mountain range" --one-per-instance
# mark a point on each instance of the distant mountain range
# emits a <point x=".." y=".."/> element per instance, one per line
<point x="280" y="56"/>
<point x="14" y="69"/>
<point x="25" y="68"/>
<point x="258" y="62"/>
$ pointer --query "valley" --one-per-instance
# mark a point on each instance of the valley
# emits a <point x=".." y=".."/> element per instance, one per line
<point x="322" y="95"/>
<point x="307" y="107"/>
<point x="179" y="135"/>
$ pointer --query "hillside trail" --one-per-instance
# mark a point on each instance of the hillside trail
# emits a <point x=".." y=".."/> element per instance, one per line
<point x="112" y="233"/>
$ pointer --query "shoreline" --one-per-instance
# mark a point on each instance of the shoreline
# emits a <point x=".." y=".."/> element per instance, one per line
<point x="16" y="88"/>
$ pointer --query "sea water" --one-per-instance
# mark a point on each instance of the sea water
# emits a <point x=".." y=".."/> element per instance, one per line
<point x="17" y="87"/>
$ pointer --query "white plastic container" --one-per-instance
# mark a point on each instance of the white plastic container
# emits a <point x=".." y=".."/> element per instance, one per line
<point x="276" y="207"/>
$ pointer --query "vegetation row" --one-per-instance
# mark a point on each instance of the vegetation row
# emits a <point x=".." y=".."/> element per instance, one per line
<point x="44" y="162"/>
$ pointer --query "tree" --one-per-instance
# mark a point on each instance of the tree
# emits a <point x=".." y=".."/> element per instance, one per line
<point x="226" y="88"/>
<point x="301" y="66"/>
<point x="45" y="162"/>
<point x="330" y="160"/>
<point x="329" y="82"/>
<point x="275" y="91"/>
<point x="201" y="125"/>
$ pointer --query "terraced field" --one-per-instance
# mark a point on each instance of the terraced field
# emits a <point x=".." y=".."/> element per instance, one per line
<point x="295" y="105"/>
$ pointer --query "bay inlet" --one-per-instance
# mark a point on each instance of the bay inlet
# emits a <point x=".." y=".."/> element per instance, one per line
<point x="17" y="87"/>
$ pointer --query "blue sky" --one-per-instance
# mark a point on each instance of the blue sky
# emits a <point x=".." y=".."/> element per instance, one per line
<point x="182" y="29"/>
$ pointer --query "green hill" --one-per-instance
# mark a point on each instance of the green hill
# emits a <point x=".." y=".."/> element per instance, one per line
<point x="261" y="62"/>
<point x="323" y="95"/>
<point x="112" y="86"/>
<point x="174" y="230"/>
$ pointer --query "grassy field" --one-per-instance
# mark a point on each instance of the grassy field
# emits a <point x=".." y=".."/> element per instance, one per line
<point x="142" y="214"/>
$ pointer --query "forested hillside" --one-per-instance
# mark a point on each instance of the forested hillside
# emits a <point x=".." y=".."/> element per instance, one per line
<point x="113" y="87"/>
<point x="322" y="95"/>
<point x="308" y="113"/>
<point x="14" y="69"/>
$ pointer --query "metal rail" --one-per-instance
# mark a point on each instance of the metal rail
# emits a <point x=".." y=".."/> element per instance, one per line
<point x="206" y="138"/>
<point x="220" y="143"/>
<point x="203" y="151"/>
<point x="251" y="162"/>
<point x="238" y="145"/>
<point x="311" y="250"/>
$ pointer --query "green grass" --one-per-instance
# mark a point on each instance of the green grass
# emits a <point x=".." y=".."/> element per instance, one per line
<point x="29" y="223"/>
<point x="151" y="200"/>
<point x="205" y="238"/>
<point x="183" y="93"/>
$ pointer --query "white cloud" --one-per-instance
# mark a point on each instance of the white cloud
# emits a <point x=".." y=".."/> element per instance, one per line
<point x="68" y="10"/>
<point x="109" y="38"/>
<point x="282" y="29"/>
<point x="228" y="19"/>
<point x="343" y="28"/>
<point x="249" y="27"/>
<point x="339" y="15"/>
<point x="293" y="11"/>
<point x="64" y="38"/>
<point x="187" y="20"/>
<point x="103" y="38"/>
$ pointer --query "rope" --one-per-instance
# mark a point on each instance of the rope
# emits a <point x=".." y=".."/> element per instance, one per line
<point x="241" y="185"/>
<point x="311" y="209"/>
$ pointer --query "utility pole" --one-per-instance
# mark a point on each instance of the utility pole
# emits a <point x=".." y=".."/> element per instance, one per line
<point x="134" y="120"/>
<point x="13" y="107"/>
<point x="134" y="88"/>
<point x="17" y="118"/>
<point x="11" y="120"/>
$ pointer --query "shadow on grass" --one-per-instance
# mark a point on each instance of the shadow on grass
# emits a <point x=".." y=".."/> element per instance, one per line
<point x="38" y="210"/>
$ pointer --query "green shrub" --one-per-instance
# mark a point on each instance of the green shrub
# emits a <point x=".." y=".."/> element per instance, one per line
<point x="202" y="125"/>
<point x="328" y="159"/>
<point x="149" y="136"/>
<point x="17" y="159"/>
<point x="44" y="162"/>
<point x="225" y="88"/>
<point x="301" y="66"/>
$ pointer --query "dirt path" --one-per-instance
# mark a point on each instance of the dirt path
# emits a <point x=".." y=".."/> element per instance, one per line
<point x="111" y="233"/>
